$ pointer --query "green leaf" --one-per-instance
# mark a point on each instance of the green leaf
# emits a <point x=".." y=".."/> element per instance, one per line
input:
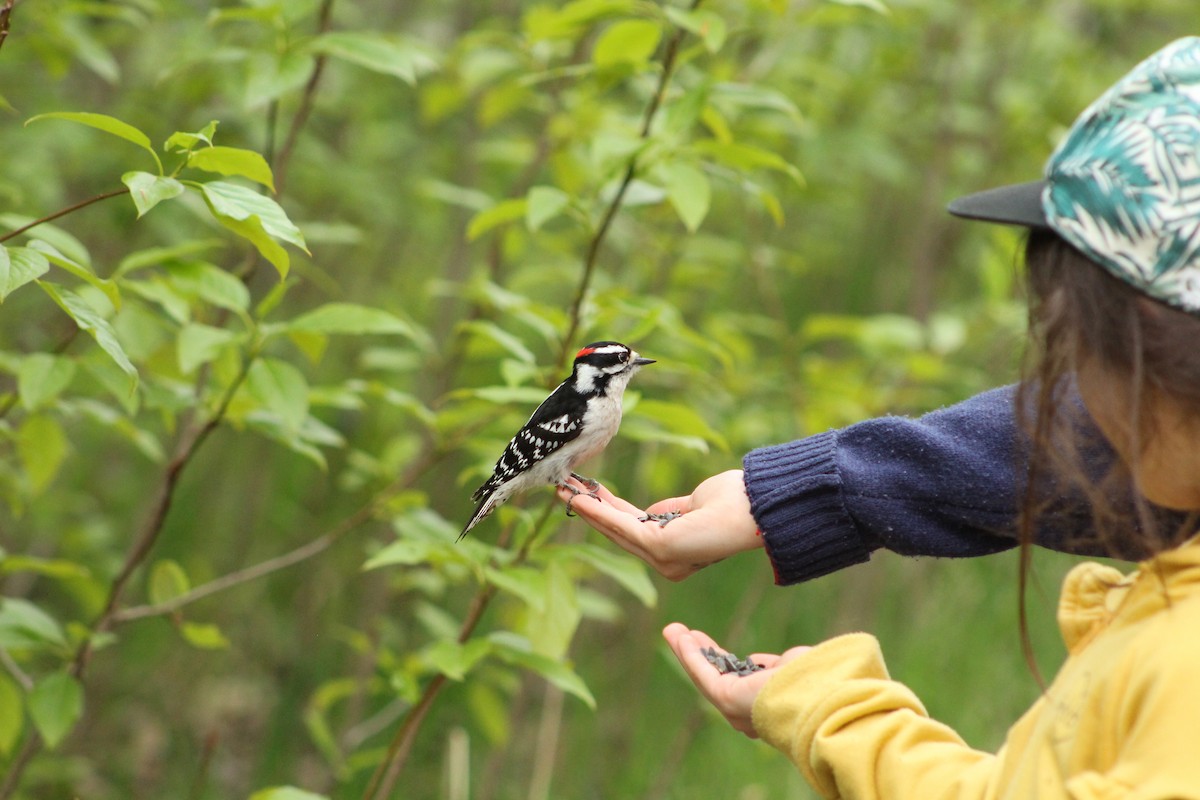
<point x="680" y="419"/>
<point x="231" y="200"/>
<point x="747" y="158"/>
<point x="107" y="124"/>
<point x="167" y="581"/>
<point x="199" y="344"/>
<point x="209" y="283"/>
<point x="22" y="625"/>
<point x="41" y="377"/>
<point x="526" y="583"/>
<point x="19" y="266"/>
<point x="80" y="269"/>
<point x="707" y="25"/>
<point x="204" y="636"/>
<point x="514" y="650"/>
<point x="163" y="294"/>
<point x="874" y="5"/>
<point x="252" y="230"/>
<point x="280" y="388"/>
<point x="625" y="570"/>
<point x="115" y="422"/>
<point x="551" y="628"/>
<point x="689" y="192"/>
<point x="753" y="96"/>
<point x="148" y="190"/>
<point x="42" y="448"/>
<point x="348" y="319"/>
<point x="255" y="217"/>
<point x="62" y="241"/>
<point x="390" y="55"/>
<point x="96" y="326"/>
<point x="272" y="75"/>
<point x="454" y="659"/>
<point x="233" y="161"/>
<point x="573" y="19"/>
<point x="56" y="703"/>
<point x="181" y="141"/>
<point x="404" y="552"/>
<point x="524" y="395"/>
<point x="500" y="214"/>
<point x="544" y="203"/>
<point x="510" y="344"/>
<point x="163" y="256"/>
<point x="49" y="567"/>
<point x="630" y="41"/>
<point x="12" y="714"/>
<point x="285" y="793"/>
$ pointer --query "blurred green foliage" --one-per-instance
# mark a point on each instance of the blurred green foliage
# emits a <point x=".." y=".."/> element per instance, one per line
<point x="320" y="259"/>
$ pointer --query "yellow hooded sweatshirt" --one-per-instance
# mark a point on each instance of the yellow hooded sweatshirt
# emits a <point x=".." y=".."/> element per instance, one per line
<point x="1121" y="719"/>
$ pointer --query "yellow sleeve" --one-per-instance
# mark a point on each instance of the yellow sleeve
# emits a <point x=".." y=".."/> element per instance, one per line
<point x="856" y="734"/>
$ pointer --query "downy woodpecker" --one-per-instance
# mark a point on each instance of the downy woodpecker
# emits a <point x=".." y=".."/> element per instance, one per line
<point x="573" y="424"/>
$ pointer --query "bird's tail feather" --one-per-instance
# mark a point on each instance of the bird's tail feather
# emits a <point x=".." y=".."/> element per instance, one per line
<point x="486" y="506"/>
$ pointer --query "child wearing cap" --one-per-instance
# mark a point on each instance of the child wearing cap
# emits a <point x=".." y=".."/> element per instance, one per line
<point x="1113" y="259"/>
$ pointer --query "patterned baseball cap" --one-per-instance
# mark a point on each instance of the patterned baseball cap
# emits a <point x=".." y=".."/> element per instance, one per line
<point x="1123" y="186"/>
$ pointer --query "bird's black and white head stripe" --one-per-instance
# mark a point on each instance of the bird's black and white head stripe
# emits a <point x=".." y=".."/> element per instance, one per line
<point x="599" y="362"/>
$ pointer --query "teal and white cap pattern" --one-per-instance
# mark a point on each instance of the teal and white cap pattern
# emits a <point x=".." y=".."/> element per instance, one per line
<point x="1123" y="186"/>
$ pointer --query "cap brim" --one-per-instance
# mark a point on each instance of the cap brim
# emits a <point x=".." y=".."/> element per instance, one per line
<point x="1019" y="204"/>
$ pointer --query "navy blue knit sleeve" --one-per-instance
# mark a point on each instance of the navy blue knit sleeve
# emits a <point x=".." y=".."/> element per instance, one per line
<point x="944" y="484"/>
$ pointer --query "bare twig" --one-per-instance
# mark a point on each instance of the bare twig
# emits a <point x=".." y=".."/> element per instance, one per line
<point x="152" y="528"/>
<point x="32" y="746"/>
<point x="143" y="544"/>
<point x="65" y="211"/>
<point x="593" y="251"/>
<point x="15" y="670"/>
<point x="388" y="772"/>
<point x="293" y="557"/>
<point x="6" y="9"/>
<point x="281" y="164"/>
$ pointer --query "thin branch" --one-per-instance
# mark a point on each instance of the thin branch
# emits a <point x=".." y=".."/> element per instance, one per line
<point x="383" y="781"/>
<point x="306" y="551"/>
<point x="65" y="211"/>
<point x="153" y="526"/>
<point x="670" y="56"/>
<point x="15" y="670"/>
<point x="388" y="772"/>
<point x="32" y="746"/>
<point x="280" y="166"/>
<point x="5" y="16"/>
<point x="141" y="548"/>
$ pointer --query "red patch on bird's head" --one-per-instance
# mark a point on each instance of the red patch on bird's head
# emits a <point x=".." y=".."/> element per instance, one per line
<point x="587" y="351"/>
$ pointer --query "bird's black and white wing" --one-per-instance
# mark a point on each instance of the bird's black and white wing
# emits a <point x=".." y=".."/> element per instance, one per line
<point x="554" y="424"/>
<point x="549" y="429"/>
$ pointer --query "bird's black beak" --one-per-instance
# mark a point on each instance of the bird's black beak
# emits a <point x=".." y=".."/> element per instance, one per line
<point x="641" y="362"/>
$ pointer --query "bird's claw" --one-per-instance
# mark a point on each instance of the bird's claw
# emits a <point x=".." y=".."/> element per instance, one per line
<point x="591" y="485"/>
<point x="661" y="519"/>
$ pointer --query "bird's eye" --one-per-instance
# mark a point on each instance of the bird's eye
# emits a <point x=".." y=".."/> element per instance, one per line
<point x="624" y="357"/>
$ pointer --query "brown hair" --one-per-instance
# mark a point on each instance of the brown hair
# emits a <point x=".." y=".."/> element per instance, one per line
<point x="1081" y="315"/>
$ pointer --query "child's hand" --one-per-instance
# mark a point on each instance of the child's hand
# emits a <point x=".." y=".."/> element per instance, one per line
<point x="714" y="522"/>
<point x="732" y="694"/>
